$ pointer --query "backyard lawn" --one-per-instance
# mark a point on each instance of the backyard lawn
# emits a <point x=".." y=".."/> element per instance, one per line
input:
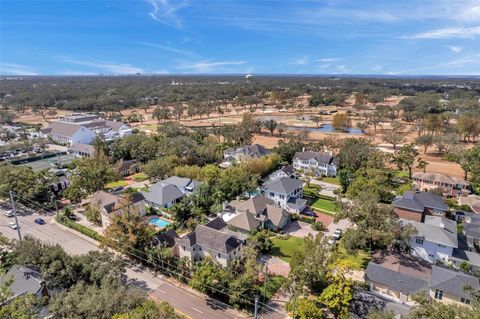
<point x="358" y="261"/>
<point x="116" y="184"/>
<point x="284" y="248"/>
<point x="331" y="180"/>
<point x="325" y="205"/>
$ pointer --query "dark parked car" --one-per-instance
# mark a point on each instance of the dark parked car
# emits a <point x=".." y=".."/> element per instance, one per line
<point x="309" y="213"/>
<point x="39" y="221"/>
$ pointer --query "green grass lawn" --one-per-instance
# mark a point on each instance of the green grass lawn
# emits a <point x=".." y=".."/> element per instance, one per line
<point x="359" y="260"/>
<point x="284" y="248"/>
<point x="331" y="180"/>
<point x="325" y="205"/>
<point x="116" y="184"/>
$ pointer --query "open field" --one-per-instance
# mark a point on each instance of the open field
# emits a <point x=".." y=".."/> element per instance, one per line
<point x="292" y="117"/>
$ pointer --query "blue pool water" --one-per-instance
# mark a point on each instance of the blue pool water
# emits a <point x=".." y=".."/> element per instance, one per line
<point x="159" y="222"/>
<point x="323" y="128"/>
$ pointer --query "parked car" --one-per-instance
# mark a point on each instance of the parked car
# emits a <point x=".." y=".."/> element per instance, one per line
<point x="331" y="241"/>
<point x="39" y="221"/>
<point x="309" y="213"/>
<point x="13" y="225"/>
<point x="9" y="213"/>
<point x="337" y="234"/>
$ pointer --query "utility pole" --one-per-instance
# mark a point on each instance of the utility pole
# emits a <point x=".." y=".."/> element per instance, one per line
<point x="15" y="215"/>
<point x="256" y="308"/>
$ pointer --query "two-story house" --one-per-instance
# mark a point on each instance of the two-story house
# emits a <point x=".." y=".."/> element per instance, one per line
<point x="322" y="163"/>
<point x="22" y="280"/>
<point x="400" y="276"/>
<point x="451" y="185"/>
<point x="416" y="205"/>
<point x="436" y="238"/>
<point x="109" y="204"/>
<point x="256" y="212"/>
<point x="168" y="192"/>
<point x="286" y="192"/>
<point x="211" y="240"/>
<point x="285" y="171"/>
<point x="244" y="153"/>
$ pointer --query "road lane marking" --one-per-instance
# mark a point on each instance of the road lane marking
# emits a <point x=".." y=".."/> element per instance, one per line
<point x="163" y="292"/>
<point x="196" y="309"/>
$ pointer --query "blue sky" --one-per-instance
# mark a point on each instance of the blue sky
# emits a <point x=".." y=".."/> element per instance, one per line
<point x="394" y="37"/>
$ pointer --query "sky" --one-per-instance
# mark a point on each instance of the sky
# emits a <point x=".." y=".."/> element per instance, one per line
<point x="384" y="37"/>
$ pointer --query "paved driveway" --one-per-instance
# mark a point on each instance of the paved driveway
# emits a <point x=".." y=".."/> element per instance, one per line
<point x="299" y="229"/>
<point x="327" y="188"/>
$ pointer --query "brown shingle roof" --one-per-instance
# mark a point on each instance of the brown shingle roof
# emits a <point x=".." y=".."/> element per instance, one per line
<point x="63" y="128"/>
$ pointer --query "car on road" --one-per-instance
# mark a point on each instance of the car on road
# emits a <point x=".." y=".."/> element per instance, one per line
<point x="13" y="225"/>
<point x="309" y="213"/>
<point x="9" y="213"/>
<point x="337" y="234"/>
<point x="39" y="221"/>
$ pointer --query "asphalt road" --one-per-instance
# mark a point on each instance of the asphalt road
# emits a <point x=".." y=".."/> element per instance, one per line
<point x="192" y="305"/>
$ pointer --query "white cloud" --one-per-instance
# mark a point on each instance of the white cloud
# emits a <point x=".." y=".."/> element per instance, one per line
<point x="327" y="60"/>
<point x="377" y="68"/>
<point x="456" y="65"/>
<point x="161" y="72"/>
<point x="208" y="65"/>
<point x="167" y="48"/>
<point x="447" y="33"/>
<point x="108" y="67"/>
<point x="15" y="69"/>
<point x="165" y="11"/>
<point x="300" y="61"/>
<point x="454" y="49"/>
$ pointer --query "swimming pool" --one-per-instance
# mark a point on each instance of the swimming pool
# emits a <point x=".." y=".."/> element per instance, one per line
<point x="159" y="222"/>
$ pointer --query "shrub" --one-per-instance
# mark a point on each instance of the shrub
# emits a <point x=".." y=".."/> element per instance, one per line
<point x="140" y="177"/>
<point x="78" y="227"/>
<point x="318" y="226"/>
<point x="302" y="218"/>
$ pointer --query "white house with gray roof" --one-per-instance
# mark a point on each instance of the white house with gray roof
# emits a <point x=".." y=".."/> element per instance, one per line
<point x="82" y="128"/>
<point x="400" y="276"/>
<point x="321" y="163"/>
<point x="286" y="192"/>
<point x="211" y="240"/>
<point x="244" y="153"/>
<point x="435" y="239"/>
<point x="168" y="192"/>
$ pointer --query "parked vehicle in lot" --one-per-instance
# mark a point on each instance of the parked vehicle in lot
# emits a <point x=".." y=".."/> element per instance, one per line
<point x="9" y="213"/>
<point x="309" y="213"/>
<point x="39" y="221"/>
<point x="13" y="225"/>
<point x="331" y="241"/>
<point x="337" y="234"/>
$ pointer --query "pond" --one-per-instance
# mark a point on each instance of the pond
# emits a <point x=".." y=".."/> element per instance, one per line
<point x="327" y="128"/>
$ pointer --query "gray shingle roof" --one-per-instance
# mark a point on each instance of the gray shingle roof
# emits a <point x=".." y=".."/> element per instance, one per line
<point x="25" y="280"/>
<point x="276" y="214"/>
<point x="297" y="203"/>
<point x="245" y="221"/>
<point x="211" y="239"/>
<point x="395" y="280"/>
<point x="321" y="157"/>
<point x="181" y="182"/>
<point x="432" y="231"/>
<point x="254" y="150"/>
<point x="419" y="201"/>
<point x="64" y="128"/>
<point x="452" y="282"/>
<point x="162" y="194"/>
<point x="283" y="185"/>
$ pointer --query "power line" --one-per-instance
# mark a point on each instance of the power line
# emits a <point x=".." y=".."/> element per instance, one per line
<point x="251" y="301"/>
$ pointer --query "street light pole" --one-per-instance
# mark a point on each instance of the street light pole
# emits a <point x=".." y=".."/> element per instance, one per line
<point x="265" y="283"/>
<point x="14" y="211"/>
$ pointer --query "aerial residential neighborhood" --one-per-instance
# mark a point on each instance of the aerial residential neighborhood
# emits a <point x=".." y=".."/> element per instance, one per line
<point x="165" y="159"/>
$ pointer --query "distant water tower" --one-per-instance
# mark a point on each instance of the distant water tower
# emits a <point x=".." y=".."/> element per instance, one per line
<point x="248" y="76"/>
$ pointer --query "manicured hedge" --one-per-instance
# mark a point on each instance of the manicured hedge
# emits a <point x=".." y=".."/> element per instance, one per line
<point x="80" y="228"/>
<point x="302" y="218"/>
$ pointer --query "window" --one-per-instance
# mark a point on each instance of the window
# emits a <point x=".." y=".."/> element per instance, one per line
<point x="442" y="246"/>
<point x="438" y="294"/>
<point x="218" y="255"/>
<point x="465" y="301"/>
<point x="419" y="241"/>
